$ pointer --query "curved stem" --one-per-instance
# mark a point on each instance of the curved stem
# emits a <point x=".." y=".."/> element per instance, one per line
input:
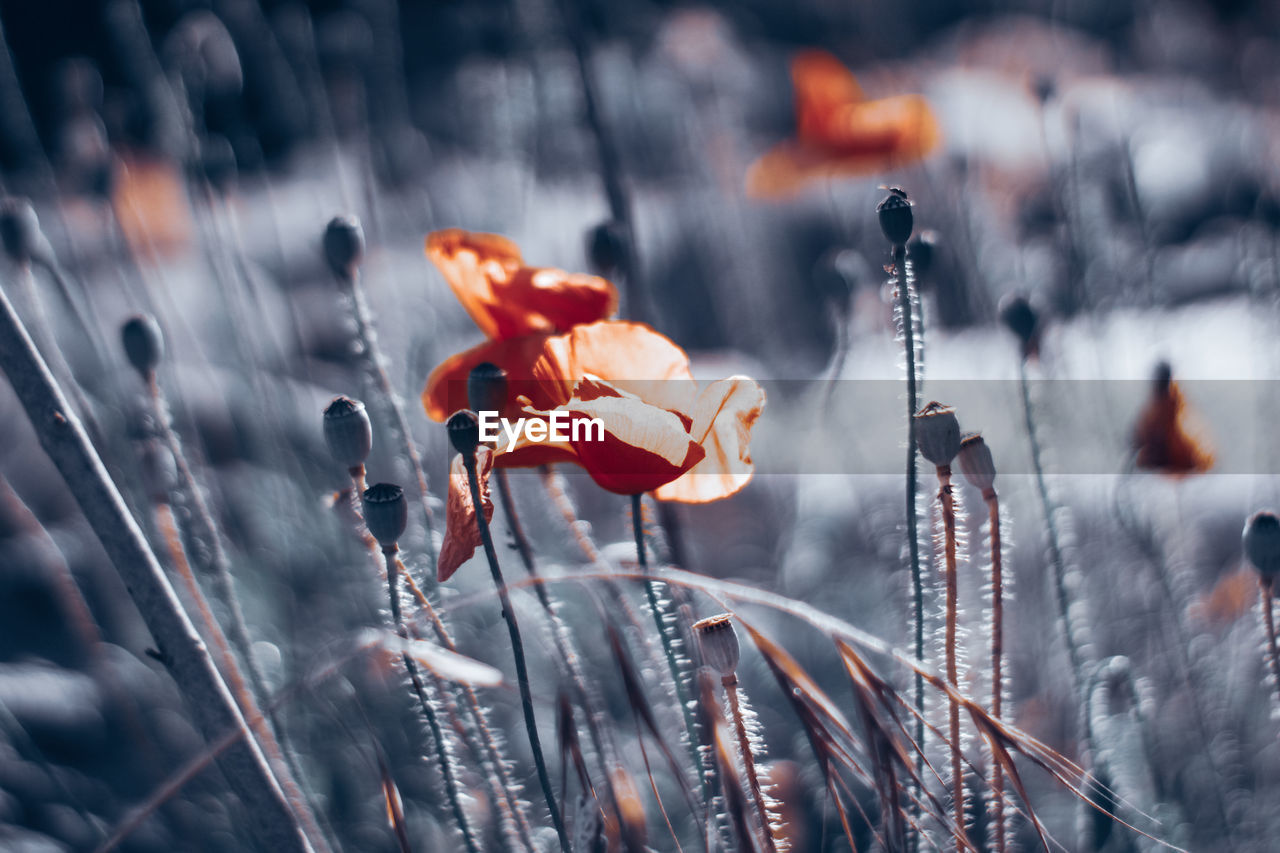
<point x="947" y="499"/>
<point x="428" y="710"/>
<point x="517" y="649"/>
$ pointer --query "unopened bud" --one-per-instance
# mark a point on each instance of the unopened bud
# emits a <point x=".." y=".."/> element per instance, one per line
<point x="143" y="343"/>
<point x="938" y="433"/>
<point x="719" y="643"/>
<point x="607" y="248"/>
<point x="464" y="432"/>
<point x="976" y="463"/>
<point x="344" y="245"/>
<point x="1021" y="319"/>
<point x="487" y="388"/>
<point x="347" y="431"/>
<point x="20" y="230"/>
<point x="1262" y="543"/>
<point x="896" y="219"/>
<point x="386" y="513"/>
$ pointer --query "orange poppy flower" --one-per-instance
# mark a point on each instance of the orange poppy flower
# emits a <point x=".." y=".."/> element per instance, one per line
<point x="839" y="132"/>
<point x="1161" y="438"/>
<point x="661" y="433"/>
<point x="461" y="535"/>
<point x="507" y="299"/>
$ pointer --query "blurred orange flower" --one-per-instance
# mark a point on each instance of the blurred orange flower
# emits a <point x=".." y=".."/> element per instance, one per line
<point x="1161" y="438"/>
<point x="839" y="132"/>
<point x="661" y="432"/>
<point x="507" y="299"/>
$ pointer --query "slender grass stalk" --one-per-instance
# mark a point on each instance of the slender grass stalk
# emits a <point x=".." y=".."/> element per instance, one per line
<point x="443" y="755"/>
<point x="997" y="661"/>
<point x="180" y="647"/>
<point x="467" y="446"/>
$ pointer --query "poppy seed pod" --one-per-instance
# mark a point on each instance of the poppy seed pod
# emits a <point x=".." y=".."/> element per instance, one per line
<point x="344" y="245"/>
<point x="464" y="432"/>
<point x="719" y="643"/>
<point x="347" y="431"/>
<point x="386" y="513"/>
<point x="1021" y="319"/>
<point x="143" y="343"/>
<point x="896" y="220"/>
<point x="607" y="248"/>
<point x="487" y="388"/>
<point x="1262" y="543"/>
<point x="938" y="433"/>
<point x="976" y="463"/>
<point x="19" y="230"/>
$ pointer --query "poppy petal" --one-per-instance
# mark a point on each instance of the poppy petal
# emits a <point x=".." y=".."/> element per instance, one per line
<point x="642" y="446"/>
<point x="722" y="422"/>
<point x="461" y="534"/>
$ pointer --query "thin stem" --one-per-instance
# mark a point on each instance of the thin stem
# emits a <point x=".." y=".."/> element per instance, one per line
<point x="372" y="355"/>
<point x="997" y="661"/>
<point x="947" y="499"/>
<point x="180" y="648"/>
<point x="1268" y="615"/>
<point x="749" y="762"/>
<point x="428" y="711"/>
<point x="517" y="649"/>
<point x="913" y="535"/>
<point x="670" y="651"/>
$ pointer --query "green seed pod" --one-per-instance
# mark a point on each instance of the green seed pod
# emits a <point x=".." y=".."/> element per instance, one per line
<point x="896" y="219"/>
<point x="719" y="643"/>
<point x="344" y="245"/>
<point x="143" y="343"/>
<point x="487" y="388"/>
<point x="1262" y="543"/>
<point x="976" y="463"/>
<point x="464" y="432"/>
<point x="386" y="513"/>
<point x="347" y="431"/>
<point x="938" y="433"/>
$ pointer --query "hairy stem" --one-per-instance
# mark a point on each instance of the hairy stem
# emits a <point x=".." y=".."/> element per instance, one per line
<point x="749" y="763"/>
<point x="947" y="499"/>
<point x="1268" y="616"/>
<point x="997" y="662"/>
<point x="517" y="649"/>
<point x="428" y="709"/>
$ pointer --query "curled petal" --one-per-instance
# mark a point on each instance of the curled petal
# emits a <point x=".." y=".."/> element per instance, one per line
<point x="643" y="446"/>
<point x="461" y="534"/>
<point x="722" y="422"/>
<point x="1163" y="441"/>
<point x="630" y="356"/>
<point x="507" y="299"/>
<point x="446" y="390"/>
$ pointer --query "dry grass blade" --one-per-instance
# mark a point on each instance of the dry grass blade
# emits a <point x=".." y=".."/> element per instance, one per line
<point x="395" y="805"/>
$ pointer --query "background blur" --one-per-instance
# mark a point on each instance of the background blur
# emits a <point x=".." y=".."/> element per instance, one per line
<point x="1116" y="162"/>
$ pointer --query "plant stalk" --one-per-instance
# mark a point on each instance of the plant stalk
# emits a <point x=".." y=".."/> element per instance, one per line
<point x="730" y="683"/>
<point x="997" y="661"/>
<point x="947" y="500"/>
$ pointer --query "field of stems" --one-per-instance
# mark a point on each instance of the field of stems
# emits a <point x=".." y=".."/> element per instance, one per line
<point x="935" y="359"/>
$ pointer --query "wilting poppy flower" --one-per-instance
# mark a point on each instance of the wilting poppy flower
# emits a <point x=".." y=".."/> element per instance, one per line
<point x="661" y="433"/>
<point x="840" y="132"/>
<point x="1160" y="436"/>
<point x="507" y="299"/>
<point x="461" y="535"/>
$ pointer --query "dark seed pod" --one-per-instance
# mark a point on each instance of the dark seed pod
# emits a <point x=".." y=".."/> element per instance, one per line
<point x="1161" y="379"/>
<point x="607" y="248"/>
<point x="464" y="432"/>
<point x="386" y="513"/>
<point x="896" y="219"/>
<point x="1016" y="313"/>
<point x="143" y="343"/>
<point x="938" y="433"/>
<point x="487" y="388"/>
<point x="347" y="431"/>
<point x="1043" y="87"/>
<point x="20" y="230"/>
<point x="976" y="463"/>
<point x="719" y="643"/>
<point x="1262" y="543"/>
<point x="344" y="245"/>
